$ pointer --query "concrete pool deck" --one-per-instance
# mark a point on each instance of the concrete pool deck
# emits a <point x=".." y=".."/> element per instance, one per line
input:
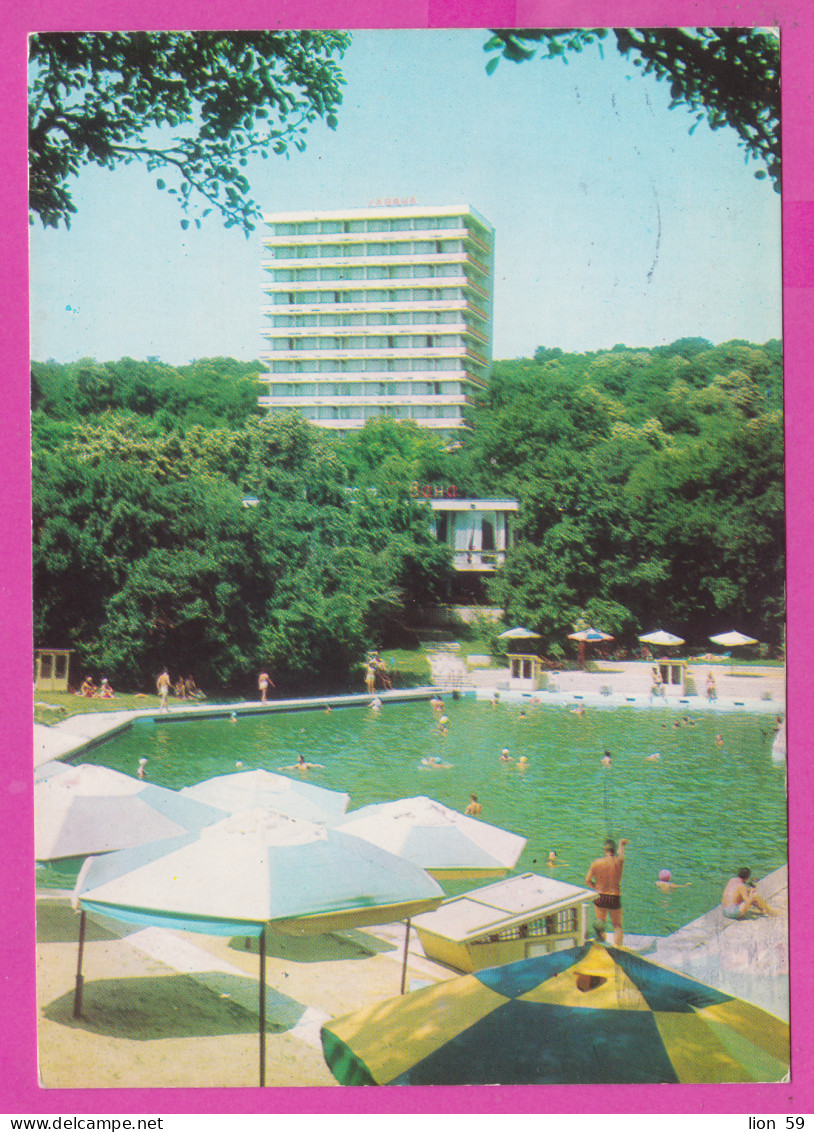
<point x="79" y="733"/>
<point x="611" y="684"/>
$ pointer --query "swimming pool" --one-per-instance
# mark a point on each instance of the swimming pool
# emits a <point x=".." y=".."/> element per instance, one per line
<point x="701" y="810"/>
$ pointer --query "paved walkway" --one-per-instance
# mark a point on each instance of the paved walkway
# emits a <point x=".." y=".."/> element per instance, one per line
<point x="628" y="683"/>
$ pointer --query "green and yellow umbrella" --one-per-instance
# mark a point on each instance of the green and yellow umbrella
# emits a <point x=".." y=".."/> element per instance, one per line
<point x="589" y="1015"/>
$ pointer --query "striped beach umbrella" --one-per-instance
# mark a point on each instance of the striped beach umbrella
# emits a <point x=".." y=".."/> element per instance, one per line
<point x="589" y="1015"/>
<point x="584" y="635"/>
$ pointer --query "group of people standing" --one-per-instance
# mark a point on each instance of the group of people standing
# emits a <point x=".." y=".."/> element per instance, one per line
<point x="376" y="674"/>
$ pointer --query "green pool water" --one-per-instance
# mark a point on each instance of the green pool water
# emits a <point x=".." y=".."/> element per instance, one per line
<point x="701" y="810"/>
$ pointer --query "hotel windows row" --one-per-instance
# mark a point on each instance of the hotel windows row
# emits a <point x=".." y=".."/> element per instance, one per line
<point x="403" y="295"/>
<point x="421" y="317"/>
<point x="368" y="365"/>
<point x="334" y="251"/>
<point x="371" y="224"/>
<point x="369" y="412"/>
<point x="373" y="271"/>
<point x="370" y="342"/>
<point x="365" y="389"/>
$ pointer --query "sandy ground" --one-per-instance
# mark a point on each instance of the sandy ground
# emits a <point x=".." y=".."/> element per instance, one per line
<point x="145" y="1024"/>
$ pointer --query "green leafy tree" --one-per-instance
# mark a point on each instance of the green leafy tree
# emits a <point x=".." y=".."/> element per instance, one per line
<point x="193" y="105"/>
<point x="730" y="76"/>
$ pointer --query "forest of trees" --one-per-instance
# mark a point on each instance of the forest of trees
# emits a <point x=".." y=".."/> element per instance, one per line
<point x="650" y="484"/>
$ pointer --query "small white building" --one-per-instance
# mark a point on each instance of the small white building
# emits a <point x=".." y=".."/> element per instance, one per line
<point x="525" y="666"/>
<point x="477" y="531"/>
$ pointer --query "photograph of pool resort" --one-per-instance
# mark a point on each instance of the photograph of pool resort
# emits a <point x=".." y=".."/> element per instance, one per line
<point x="410" y="689"/>
<point x="546" y="808"/>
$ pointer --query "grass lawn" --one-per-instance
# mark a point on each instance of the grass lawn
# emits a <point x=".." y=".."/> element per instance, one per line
<point x="51" y="707"/>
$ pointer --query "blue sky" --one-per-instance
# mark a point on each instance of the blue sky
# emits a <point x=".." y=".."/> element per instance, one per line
<point x="613" y="224"/>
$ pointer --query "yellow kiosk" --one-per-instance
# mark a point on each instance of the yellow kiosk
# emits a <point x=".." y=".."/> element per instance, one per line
<point x="516" y="918"/>
<point x="51" y="669"/>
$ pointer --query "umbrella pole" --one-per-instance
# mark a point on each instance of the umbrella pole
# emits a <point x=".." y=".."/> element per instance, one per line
<point x="404" y="960"/>
<point x="262" y="942"/>
<point x="77" y="994"/>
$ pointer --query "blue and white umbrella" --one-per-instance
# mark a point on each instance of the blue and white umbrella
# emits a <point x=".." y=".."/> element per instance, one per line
<point x="246" y="871"/>
<point x="589" y="635"/>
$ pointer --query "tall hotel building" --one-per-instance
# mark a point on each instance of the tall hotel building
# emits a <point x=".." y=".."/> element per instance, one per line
<point x="380" y="311"/>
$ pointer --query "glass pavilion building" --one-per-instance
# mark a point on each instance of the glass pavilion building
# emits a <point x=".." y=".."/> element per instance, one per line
<point x="380" y="311"/>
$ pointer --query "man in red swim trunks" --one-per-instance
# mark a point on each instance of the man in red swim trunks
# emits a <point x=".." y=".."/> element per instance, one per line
<point x="605" y="875"/>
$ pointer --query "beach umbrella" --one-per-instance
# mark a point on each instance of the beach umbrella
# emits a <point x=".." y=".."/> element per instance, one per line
<point x="252" y="788"/>
<point x="518" y="633"/>
<point x="588" y="1015"/>
<point x="733" y="640"/>
<point x="91" y="809"/>
<point x="589" y="635"/>
<point x="448" y="844"/>
<point x="661" y="637"/>
<point x="584" y="636"/>
<point x="246" y="871"/>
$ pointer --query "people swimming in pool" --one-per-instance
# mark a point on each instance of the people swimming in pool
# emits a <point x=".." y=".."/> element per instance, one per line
<point x="505" y="757"/>
<point x="665" y="883"/>
<point x="303" y="764"/>
<point x="435" y="762"/>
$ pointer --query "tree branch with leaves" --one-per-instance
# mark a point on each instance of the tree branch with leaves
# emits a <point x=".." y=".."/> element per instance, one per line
<point x="730" y="76"/>
<point x="196" y="106"/>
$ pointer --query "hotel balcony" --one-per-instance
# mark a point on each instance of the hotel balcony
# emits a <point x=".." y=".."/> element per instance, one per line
<point x="478" y="532"/>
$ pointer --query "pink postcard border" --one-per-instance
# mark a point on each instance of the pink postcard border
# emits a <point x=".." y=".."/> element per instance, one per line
<point x="19" y="1090"/>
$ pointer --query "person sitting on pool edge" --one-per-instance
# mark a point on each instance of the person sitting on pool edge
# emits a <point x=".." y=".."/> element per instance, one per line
<point x="740" y="899"/>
